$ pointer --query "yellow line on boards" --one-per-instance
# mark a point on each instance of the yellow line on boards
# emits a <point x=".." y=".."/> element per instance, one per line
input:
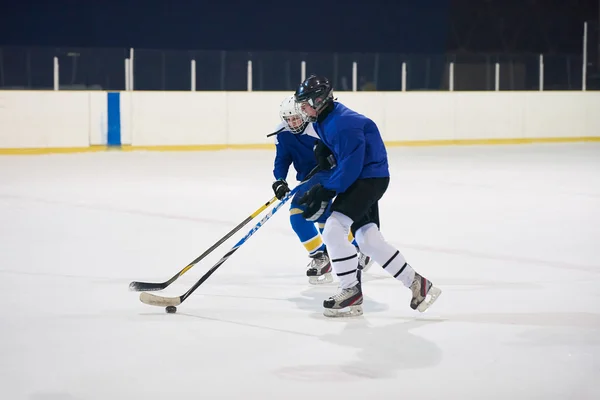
<point x="216" y="147"/>
<point x="499" y="141"/>
<point x="52" y="150"/>
<point x="199" y="147"/>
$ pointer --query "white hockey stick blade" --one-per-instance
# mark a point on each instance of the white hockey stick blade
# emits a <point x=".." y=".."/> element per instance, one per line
<point x="154" y="300"/>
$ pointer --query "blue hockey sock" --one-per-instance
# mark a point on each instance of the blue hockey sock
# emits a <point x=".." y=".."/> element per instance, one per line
<point x="306" y="232"/>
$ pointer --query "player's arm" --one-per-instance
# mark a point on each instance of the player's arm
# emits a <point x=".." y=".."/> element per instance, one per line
<point x="324" y="156"/>
<point x="281" y="167"/>
<point x="283" y="160"/>
<point x="349" y="150"/>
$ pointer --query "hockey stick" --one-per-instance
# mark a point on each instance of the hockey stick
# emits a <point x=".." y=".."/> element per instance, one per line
<point x="276" y="132"/>
<point x="154" y="300"/>
<point x="151" y="286"/>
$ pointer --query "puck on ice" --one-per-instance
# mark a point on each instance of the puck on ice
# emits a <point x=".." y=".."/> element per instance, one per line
<point x="171" y="309"/>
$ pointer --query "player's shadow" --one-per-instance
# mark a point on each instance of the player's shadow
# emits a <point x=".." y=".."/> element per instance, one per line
<point x="380" y="352"/>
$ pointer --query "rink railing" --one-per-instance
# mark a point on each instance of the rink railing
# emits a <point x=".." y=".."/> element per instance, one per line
<point x="147" y="69"/>
<point x="55" y="121"/>
<point x="450" y="73"/>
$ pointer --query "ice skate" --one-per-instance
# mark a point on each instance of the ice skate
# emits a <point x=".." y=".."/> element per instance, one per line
<point x="347" y="303"/>
<point x="319" y="269"/>
<point x="364" y="262"/>
<point x="424" y="294"/>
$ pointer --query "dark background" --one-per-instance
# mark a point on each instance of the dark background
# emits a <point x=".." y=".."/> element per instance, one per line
<point x="92" y="38"/>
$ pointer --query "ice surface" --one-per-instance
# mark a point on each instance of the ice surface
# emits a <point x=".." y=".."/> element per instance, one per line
<point x="510" y="233"/>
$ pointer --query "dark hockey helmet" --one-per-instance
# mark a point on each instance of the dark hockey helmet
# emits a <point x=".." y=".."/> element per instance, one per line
<point x="317" y="92"/>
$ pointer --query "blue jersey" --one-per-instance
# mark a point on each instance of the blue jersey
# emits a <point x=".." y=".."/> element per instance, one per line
<point x="295" y="149"/>
<point x="356" y="145"/>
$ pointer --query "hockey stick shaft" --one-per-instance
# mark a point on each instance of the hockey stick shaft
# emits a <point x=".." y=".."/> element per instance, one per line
<point x="154" y="286"/>
<point x="276" y="132"/>
<point x="154" y="300"/>
<point x="150" y="286"/>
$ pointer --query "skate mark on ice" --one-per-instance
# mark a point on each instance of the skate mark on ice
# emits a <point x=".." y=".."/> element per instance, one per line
<point x="498" y="257"/>
<point x="104" y="207"/>
<point x="249" y="325"/>
<point x="576" y="320"/>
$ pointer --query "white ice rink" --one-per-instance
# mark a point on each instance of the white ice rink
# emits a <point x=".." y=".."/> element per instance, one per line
<point x="510" y="233"/>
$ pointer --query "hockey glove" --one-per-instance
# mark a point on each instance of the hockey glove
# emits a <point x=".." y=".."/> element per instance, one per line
<point x="316" y="201"/>
<point x="280" y="188"/>
<point x="324" y="156"/>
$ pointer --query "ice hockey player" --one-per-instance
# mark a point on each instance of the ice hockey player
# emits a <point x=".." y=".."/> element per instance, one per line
<point x="296" y="144"/>
<point x="357" y="183"/>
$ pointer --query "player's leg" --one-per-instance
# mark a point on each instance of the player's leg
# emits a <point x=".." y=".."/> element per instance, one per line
<point x="348" y="207"/>
<point x="372" y="242"/>
<point x="319" y="268"/>
<point x="364" y="261"/>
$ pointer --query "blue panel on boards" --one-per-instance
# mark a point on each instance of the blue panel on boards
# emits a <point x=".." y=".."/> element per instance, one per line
<point x="113" y="137"/>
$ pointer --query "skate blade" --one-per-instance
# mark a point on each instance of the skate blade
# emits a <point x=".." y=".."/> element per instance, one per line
<point x="369" y="265"/>
<point x="346" y="312"/>
<point x="320" y="280"/>
<point x="431" y="297"/>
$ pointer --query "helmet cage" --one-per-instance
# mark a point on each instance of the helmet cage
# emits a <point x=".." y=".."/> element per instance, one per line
<point x="290" y="116"/>
<point x="314" y="92"/>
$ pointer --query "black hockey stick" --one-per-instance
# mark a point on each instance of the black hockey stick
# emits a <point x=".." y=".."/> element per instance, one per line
<point x="151" y="286"/>
<point x="154" y="300"/>
<point x="276" y="132"/>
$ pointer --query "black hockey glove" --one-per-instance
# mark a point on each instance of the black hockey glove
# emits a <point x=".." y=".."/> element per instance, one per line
<point x="316" y="200"/>
<point x="280" y="188"/>
<point x="324" y="156"/>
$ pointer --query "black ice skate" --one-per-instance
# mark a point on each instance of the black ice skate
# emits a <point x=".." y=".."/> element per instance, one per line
<point x="424" y="294"/>
<point x="347" y="303"/>
<point x="319" y="269"/>
<point x="364" y="262"/>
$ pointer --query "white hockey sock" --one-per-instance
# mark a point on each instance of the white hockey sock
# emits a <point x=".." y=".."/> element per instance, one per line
<point x="371" y="242"/>
<point x="343" y="255"/>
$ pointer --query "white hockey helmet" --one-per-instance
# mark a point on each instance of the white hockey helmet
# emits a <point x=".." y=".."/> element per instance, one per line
<point x="290" y="116"/>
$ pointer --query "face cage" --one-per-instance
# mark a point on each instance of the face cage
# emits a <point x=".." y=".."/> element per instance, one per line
<point x="305" y="117"/>
<point x="298" y="129"/>
<point x="310" y="103"/>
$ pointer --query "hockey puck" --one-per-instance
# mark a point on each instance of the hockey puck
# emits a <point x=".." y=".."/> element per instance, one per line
<point x="171" y="309"/>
